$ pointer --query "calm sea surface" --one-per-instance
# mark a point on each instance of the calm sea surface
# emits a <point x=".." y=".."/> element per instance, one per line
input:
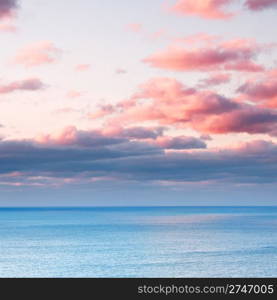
<point x="138" y="242"/>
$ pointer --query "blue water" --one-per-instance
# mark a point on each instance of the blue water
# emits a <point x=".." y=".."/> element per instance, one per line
<point x="138" y="242"/>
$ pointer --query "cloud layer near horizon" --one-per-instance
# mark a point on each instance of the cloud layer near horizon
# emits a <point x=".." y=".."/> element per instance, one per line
<point x="103" y="158"/>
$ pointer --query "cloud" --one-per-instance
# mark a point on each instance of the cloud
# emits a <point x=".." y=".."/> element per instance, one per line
<point x="170" y="102"/>
<point x="257" y="5"/>
<point x="138" y="133"/>
<point x="103" y="111"/>
<point x="206" y="137"/>
<point x="235" y="55"/>
<point x="7" y="28"/>
<point x="167" y="102"/>
<point x="215" y="79"/>
<point x="217" y="9"/>
<point x="118" y="137"/>
<point x="70" y="136"/>
<point x="7" y="8"/>
<point x="37" y="54"/>
<point x="263" y="90"/>
<point x="32" y="84"/>
<point x="142" y="132"/>
<point x="234" y="165"/>
<point x="247" y="119"/>
<point x="253" y="162"/>
<point x="82" y="67"/>
<point x="68" y="151"/>
<point x="208" y="9"/>
<point x="180" y="142"/>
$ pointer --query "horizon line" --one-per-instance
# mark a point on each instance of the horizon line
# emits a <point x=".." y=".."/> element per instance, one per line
<point x="137" y="206"/>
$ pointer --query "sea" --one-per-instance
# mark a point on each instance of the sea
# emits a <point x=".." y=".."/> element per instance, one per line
<point x="191" y="241"/>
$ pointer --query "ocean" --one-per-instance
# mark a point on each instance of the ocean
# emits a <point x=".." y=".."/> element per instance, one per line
<point x="138" y="242"/>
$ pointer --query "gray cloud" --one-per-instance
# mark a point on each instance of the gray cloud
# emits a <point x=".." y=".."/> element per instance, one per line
<point x="181" y="142"/>
<point x="32" y="84"/>
<point x="253" y="162"/>
<point x="7" y="7"/>
<point x="142" y="132"/>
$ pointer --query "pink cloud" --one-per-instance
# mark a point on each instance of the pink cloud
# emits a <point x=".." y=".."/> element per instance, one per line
<point x="263" y="90"/>
<point x="66" y="136"/>
<point x="217" y="9"/>
<point x="247" y="119"/>
<point x="103" y="111"/>
<point x="235" y="55"/>
<point x="71" y="136"/>
<point x="7" y="28"/>
<point x="37" y="54"/>
<point x="168" y="102"/>
<point x="32" y="84"/>
<point x="260" y="4"/>
<point x="82" y="67"/>
<point x="208" y="9"/>
<point x="215" y="79"/>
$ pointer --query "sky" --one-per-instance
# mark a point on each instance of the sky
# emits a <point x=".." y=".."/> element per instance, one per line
<point x="161" y="102"/>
